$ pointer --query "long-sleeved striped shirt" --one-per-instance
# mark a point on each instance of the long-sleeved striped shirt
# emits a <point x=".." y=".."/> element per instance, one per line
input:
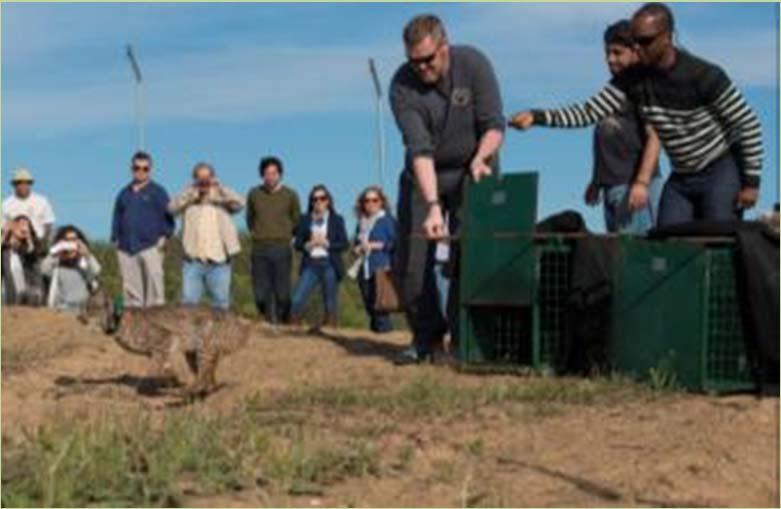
<point x="697" y="111"/>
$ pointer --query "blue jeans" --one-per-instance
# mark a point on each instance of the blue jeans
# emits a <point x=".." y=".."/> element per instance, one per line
<point x="706" y="195"/>
<point x="618" y="217"/>
<point x="443" y="285"/>
<point x="378" y="321"/>
<point x="317" y="270"/>
<point x="215" y="277"/>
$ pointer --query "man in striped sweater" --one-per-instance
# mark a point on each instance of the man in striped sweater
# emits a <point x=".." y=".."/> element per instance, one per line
<point x="710" y="133"/>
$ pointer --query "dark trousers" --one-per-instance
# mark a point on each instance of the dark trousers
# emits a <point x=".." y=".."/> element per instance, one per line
<point x="378" y="321"/>
<point x="414" y="260"/>
<point x="707" y="195"/>
<point x="271" y="267"/>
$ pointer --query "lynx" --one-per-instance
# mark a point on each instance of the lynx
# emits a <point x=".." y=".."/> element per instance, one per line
<point x="202" y="335"/>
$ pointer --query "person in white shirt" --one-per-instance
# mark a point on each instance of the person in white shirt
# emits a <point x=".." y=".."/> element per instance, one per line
<point x="26" y="203"/>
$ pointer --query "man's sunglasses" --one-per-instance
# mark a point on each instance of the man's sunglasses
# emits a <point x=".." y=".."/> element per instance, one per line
<point x="137" y="167"/>
<point x="646" y="40"/>
<point x="371" y="200"/>
<point x="319" y="198"/>
<point x="427" y="60"/>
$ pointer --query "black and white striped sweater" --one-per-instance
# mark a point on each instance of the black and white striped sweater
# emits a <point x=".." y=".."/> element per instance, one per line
<point x="697" y="111"/>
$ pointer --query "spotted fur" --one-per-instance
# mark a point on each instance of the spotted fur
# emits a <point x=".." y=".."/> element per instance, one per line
<point x="202" y="335"/>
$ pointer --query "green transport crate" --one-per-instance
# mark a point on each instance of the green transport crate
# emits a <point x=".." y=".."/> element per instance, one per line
<point x="496" y="245"/>
<point x="511" y="283"/>
<point x="497" y="269"/>
<point x="524" y="334"/>
<point x="677" y="317"/>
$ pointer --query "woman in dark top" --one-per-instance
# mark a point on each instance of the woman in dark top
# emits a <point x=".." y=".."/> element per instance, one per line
<point x="375" y="239"/>
<point x="321" y="238"/>
<point x="21" y="255"/>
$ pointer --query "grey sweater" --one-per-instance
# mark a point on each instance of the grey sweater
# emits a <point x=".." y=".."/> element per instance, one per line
<point x="446" y="121"/>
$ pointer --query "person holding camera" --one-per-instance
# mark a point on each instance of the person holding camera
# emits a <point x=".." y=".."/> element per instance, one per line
<point x="72" y="269"/>
<point x="209" y="236"/>
<point x="21" y="254"/>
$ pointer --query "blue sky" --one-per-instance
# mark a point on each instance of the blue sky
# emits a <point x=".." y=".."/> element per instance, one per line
<point x="228" y="83"/>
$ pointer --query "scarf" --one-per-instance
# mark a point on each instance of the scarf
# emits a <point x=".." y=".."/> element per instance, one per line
<point x="365" y="227"/>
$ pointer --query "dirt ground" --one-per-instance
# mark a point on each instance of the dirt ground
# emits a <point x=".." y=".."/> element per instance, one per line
<point x="668" y="449"/>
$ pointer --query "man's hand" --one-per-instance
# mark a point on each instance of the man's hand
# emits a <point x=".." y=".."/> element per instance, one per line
<point x="479" y="169"/>
<point x="522" y="120"/>
<point x="434" y="225"/>
<point x="638" y="196"/>
<point x="747" y="198"/>
<point x="591" y="195"/>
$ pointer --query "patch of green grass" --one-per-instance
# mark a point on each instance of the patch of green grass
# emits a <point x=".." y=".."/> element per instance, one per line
<point x="130" y="461"/>
<point x="120" y="462"/>
<point x="427" y="395"/>
<point x="302" y="468"/>
<point x="663" y="377"/>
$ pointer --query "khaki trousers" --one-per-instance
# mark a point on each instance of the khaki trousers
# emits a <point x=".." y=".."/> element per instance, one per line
<point x="142" y="277"/>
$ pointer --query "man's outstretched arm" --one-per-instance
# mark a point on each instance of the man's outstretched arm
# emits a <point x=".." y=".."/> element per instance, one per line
<point x="609" y="101"/>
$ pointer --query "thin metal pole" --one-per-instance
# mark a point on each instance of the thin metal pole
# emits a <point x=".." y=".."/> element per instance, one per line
<point x="141" y="115"/>
<point x="139" y="97"/>
<point x="380" y="127"/>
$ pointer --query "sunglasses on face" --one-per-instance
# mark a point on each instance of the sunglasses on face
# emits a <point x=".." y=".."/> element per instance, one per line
<point x="371" y="200"/>
<point x="319" y="198"/>
<point x="426" y="60"/>
<point x="646" y="40"/>
<point x="137" y="167"/>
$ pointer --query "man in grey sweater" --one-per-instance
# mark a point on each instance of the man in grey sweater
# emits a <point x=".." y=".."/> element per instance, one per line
<point x="447" y="105"/>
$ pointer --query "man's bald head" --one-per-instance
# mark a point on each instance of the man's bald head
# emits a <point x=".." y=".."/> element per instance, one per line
<point x="652" y="30"/>
<point x="662" y="15"/>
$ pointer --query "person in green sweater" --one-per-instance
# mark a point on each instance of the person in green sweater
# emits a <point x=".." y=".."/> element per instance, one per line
<point x="273" y="212"/>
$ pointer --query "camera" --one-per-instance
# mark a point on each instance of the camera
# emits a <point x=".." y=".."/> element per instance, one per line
<point x="64" y="245"/>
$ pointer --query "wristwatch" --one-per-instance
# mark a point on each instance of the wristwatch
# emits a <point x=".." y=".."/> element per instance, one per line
<point x="433" y="203"/>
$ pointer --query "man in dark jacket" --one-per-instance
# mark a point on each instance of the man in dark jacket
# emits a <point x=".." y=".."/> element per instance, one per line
<point x="140" y="226"/>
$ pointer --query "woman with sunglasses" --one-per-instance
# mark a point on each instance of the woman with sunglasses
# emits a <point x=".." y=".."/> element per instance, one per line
<point x="321" y="238"/>
<point x="375" y="240"/>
